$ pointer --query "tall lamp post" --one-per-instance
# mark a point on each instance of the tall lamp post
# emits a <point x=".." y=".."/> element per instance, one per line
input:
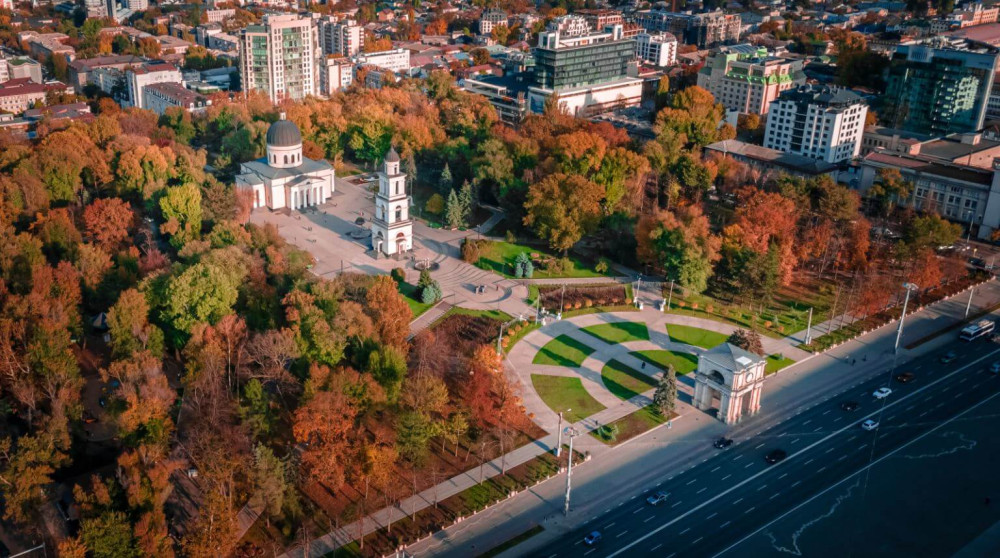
<point x="899" y="329"/>
<point x="559" y="443"/>
<point x="572" y="433"/>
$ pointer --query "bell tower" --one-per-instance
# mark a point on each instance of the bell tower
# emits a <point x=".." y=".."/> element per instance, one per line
<point x="392" y="229"/>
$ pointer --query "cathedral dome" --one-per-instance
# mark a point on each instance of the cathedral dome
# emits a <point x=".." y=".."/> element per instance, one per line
<point x="284" y="134"/>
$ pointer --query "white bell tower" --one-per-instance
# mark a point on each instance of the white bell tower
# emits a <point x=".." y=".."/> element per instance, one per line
<point x="392" y="229"/>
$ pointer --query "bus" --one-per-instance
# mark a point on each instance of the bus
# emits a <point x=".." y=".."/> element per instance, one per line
<point x="977" y="330"/>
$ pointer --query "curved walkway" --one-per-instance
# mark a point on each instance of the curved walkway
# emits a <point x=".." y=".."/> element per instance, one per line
<point x="522" y="355"/>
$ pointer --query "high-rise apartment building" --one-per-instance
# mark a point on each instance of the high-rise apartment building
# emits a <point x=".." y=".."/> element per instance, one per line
<point x="96" y="8"/>
<point x="658" y="49"/>
<point x="817" y="121"/>
<point x="343" y="37"/>
<point x="940" y="86"/>
<point x="280" y="57"/>
<point x="745" y="78"/>
<point x="703" y="30"/>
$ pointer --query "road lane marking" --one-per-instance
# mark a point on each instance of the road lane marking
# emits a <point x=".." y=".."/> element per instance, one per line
<point x="818" y="428"/>
<point x="655" y="547"/>
<point x="692" y="481"/>
<point x="748" y="465"/>
<point x="776" y="494"/>
<point x="808" y="462"/>
<point x="676" y="504"/>
<point x="758" y="446"/>
<point x="829" y="450"/>
<point x="737" y="501"/>
<point x="795" y="441"/>
<point x="650" y="518"/>
<point x="727" y="476"/>
<point x="859" y="471"/>
<point x="841" y="458"/>
<point x="796" y="483"/>
<point x="620" y="534"/>
<point x="685" y="530"/>
<point x="752" y="508"/>
<point x="783" y="475"/>
<point x="698" y="540"/>
<point x="838" y="419"/>
<point x="637" y="511"/>
<point x="713" y="515"/>
<point x="829" y="436"/>
<point x="704" y="488"/>
<point x="589" y="551"/>
<point x="910" y="407"/>
<point x="922" y="414"/>
<point x="826" y="412"/>
<point x="806" y="423"/>
<point x="716" y="469"/>
<point x="821" y="469"/>
<point x="762" y="487"/>
<point x="737" y="458"/>
<point x="724" y="524"/>
<point x="851" y="439"/>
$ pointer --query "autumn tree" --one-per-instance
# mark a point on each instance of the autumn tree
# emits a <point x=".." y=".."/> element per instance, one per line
<point x="562" y="208"/>
<point x="181" y="208"/>
<point x="129" y="327"/>
<point x="681" y="243"/>
<point x="747" y="340"/>
<point x="665" y="396"/>
<point x="324" y="425"/>
<point x="390" y="313"/>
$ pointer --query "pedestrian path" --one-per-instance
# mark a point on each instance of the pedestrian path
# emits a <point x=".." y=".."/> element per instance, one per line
<point x="432" y="314"/>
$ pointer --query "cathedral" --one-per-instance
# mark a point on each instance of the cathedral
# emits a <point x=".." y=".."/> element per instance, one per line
<point x="392" y="229"/>
<point x="284" y="178"/>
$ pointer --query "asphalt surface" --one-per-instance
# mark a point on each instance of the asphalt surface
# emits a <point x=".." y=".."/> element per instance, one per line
<point x="735" y="495"/>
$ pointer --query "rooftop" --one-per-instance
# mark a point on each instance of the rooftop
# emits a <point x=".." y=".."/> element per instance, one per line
<point x="964" y="173"/>
<point x="789" y="161"/>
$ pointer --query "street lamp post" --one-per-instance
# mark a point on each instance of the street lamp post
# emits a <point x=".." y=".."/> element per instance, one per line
<point x="670" y="295"/>
<point x="899" y="329"/>
<point x="559" y="443"/>
<point x="572" y="433"/>
<point x="809" y="327"/>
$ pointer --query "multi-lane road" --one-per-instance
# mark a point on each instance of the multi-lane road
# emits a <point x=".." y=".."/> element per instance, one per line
<point x="730" y="499"/>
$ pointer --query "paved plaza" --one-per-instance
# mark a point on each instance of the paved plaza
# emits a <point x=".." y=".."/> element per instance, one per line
<point x="338" y="236"/>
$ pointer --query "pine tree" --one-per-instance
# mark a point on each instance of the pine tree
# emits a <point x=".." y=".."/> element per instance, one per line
<point x="453" y="211"/>
<point x="665" y="396"/>
<point x="466" y="200"/>
<point x="445" y="183"/>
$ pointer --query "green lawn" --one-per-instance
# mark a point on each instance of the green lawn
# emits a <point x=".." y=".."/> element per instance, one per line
<point x="563" y="351"/>
<point x="412" y="298"/>
<point x="776" y="362"/>
<point x="499" y="257"/>
<point x="682" y="362"/>
<point x="629" y="426"/>
<point x="625" y="382"/>
<point x="695" y="336"/>
<point x="561" y="393"/>
<point x="619" y="332"/>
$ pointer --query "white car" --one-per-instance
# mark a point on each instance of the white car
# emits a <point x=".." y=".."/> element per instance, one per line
<point x="869" y="424"/>
<point x="882" y="393"/>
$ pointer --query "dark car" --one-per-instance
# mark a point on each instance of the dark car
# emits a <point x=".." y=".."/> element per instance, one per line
<point x="905" y="377"/>
<point x="849" y="405"/>
<point x="657" y="499"/>
<point x="948" y="357"/>
<point x="977" y="262"/>
<point x="775" y="456"/>
<point x="592" y="538"/>
<point x="723" y="443"/>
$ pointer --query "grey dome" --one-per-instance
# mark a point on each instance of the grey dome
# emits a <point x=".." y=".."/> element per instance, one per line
<point x="392" y="156"/>
<point x="284" y="134"/>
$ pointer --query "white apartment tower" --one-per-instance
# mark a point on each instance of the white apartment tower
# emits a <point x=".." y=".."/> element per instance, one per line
<point x="820" y="122"/>
<point x="658" y="49"/>
<point x="280" y="57"/>
<point x="392" y="229"/>
<point x="343" y="37"/>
